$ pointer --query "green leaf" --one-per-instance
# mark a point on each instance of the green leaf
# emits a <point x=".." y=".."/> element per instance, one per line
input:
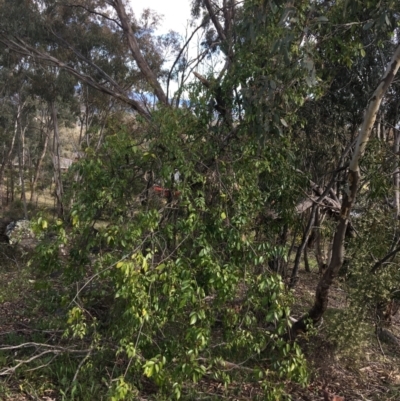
<point x="368" y="25"/>
<point x="274" y="7"/>
<point x="193" y="318"/>
<point x="284" y="123"/>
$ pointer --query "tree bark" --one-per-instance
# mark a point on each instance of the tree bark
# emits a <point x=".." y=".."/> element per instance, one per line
<point x="21" y="160"/>
<point x="135" y="50"/>
<point x="306" y="262"/>
<point x="56" y="162"/>
<point x="302" y="248"/>
<point x="214" y="19"/>
<point x="322" y="293"/>
<point x="396" y="174"/>
<point x="38" y="166"/>
<point x="6" y="161"/>
<point x="319" y="253"/>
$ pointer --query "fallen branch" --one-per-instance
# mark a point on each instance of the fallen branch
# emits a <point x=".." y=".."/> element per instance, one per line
<point x="51" y="349"/>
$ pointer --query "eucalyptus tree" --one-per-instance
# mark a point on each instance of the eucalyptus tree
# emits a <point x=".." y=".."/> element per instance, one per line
<point x="8" y="135"/>
<point x="179" y="287"/>
<point x="84" y="39"/>
<point x="16" y="98"/>
<point x="352" y="71"/>
<point x="201" y="243"/>
<point x="42" y="129"/>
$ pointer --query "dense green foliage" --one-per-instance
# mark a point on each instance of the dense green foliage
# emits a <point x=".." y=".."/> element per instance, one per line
<point x="158" y="293"/>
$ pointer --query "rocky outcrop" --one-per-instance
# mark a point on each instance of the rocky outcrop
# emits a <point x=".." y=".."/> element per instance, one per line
<point x="16" y="232"/>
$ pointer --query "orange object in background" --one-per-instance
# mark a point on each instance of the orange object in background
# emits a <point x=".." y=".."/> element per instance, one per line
<point x="164" y="192"/>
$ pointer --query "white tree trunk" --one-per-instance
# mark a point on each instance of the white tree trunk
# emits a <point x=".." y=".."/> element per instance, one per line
<point x="353" y="178"/>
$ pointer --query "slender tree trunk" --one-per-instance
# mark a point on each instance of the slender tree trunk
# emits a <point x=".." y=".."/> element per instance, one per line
<point x="56" y="162"/>
<point x="21" y="167"/>
<point x="396" y="174"/>
<point x="87" y="123"/>
<point x="306" y="262"/>
<point x="301" y="249"/>
<point x="101" y="136"/>
<point x="319" y="253"/>
<point x="23" y="151"/>
<point x="38" y="166"/>
<point x="353" y="178"/>
<point x="6" y="161"/>
<point x="12" y="186"/>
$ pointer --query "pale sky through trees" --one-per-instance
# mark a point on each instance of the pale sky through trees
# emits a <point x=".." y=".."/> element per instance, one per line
<point x="176" y="16"/>
<point x="176" y="13"/>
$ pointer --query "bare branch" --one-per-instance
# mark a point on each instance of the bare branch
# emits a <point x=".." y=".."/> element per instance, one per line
<point x="180" y="54"/>
<point x="9" y="371"/>
<point x="19" y="46"/>
<point x="39" y="345"/>
<point x="51" y="349"/>
<point x="379" y="263"/>
<point x="86" y="60"/>
<point x="105" y="16"/>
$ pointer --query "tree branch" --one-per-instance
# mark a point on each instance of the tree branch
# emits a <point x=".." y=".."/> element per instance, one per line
<point x="86" y="60"/>
<point x="379" y="263"/>
<point x="180" y="54"/>
<point x="136" y="53"/>
<point x="220" y="105"/>
<point x="93" y="12"/>
<point x="215" y="21"/>
<point x="19" y="46"/>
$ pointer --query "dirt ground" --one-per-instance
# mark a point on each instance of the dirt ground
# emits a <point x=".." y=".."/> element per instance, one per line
<point x="375" y="373"/>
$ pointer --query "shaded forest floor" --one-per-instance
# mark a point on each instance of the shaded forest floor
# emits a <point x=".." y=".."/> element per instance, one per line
<point x="364" y="368"/>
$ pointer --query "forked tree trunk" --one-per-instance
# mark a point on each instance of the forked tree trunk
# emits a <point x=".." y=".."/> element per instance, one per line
<point x="322" y="293"/>
<point x="308" y="230"/>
